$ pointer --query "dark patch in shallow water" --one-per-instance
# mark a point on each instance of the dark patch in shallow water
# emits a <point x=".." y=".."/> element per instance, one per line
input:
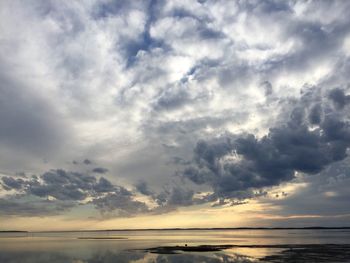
<point x="177" y="249"/>
<point x="290" y="253"/>
<point x="312" y="253"/>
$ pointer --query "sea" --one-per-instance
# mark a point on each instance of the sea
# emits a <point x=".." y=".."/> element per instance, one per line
<point x="248" y="245"/>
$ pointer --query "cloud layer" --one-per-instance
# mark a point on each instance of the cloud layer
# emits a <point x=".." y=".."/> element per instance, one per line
<point x="146" y="106"/>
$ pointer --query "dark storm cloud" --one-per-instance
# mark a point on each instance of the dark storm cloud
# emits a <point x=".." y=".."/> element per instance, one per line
<point x="103" y="186"/>
<point x="62" y="185"/>
<point x="65" y="185"/>
<point x="143" y="188"/>
<point x="180" y="197"/>
<point x="67" y="188"/>
<point x="197" y="175"/>
<point x="339" y="98"/>
<point x="12" y="183"/>
<point x="120" y="201"/>
<point x="168" y="199"/>
<point x="315" y="114"/>
<point x="233" y="166"/>
<point x="100" y="170"/>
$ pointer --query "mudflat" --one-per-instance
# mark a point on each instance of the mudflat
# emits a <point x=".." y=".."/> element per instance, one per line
<point x="288" y="253"/>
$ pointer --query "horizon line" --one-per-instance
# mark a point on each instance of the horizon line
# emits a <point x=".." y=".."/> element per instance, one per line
<point x="178" y="229"/>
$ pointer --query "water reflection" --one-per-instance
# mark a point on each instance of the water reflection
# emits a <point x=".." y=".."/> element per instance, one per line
<point x="120" y="257"/>
<point x="185" y="258"/>
<point x="100" y="247"/>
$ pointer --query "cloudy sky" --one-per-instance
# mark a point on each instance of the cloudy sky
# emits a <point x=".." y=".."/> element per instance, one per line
<point x="133" y="114"/>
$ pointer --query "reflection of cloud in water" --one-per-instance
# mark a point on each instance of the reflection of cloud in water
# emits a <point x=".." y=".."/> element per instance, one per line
<point x="32" y="257"/>
<point x="52" y="257"/>
<point x="120" y="257"/>
<point x="209" y="258"/>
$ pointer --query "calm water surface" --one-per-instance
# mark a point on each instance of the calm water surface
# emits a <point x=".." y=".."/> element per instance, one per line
<point x="91" y="247"/>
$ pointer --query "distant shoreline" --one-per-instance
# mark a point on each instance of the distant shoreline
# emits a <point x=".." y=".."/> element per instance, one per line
<point x="13" y="231"/>
<point x="183" y="229"/>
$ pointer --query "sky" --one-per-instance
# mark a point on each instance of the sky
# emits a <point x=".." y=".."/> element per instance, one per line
<point x="160" y="114"/>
